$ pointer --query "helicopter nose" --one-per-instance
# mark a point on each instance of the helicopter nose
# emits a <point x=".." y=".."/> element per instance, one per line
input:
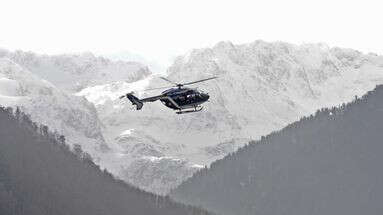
<point x="206" y="96"/>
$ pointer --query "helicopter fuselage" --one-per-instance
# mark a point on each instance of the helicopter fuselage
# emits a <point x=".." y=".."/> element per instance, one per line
<point x="183" y="98"/>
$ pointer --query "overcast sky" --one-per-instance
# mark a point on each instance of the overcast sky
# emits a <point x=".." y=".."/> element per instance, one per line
<point x="162" y="29"/>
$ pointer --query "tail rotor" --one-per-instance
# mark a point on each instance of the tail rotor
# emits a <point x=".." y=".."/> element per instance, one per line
<point x="135" y="101"/>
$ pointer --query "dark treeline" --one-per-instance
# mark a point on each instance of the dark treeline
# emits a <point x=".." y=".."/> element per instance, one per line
<point x="326" y="163"/>
<point x="41" y="175"/>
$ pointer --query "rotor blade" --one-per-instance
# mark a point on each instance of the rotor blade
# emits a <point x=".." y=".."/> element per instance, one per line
<point x="206" y="79"/>
<point x="157" y="88"/>
<point x="165" y="79"/>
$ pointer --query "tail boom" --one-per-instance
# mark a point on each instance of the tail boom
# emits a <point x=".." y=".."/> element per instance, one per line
<point x="135" y="101"/>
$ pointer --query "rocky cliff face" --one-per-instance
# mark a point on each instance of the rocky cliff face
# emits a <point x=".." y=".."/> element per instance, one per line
<point x="263" y="86"/>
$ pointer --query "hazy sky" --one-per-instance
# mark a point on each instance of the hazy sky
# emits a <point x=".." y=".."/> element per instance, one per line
<point x="162" y="29"/>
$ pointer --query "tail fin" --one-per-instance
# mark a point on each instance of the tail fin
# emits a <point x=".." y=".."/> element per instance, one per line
<point x="135" y="101"/>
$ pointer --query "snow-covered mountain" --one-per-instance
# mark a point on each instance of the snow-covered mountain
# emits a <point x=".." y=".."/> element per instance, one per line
<point x="264" y="86"/>
<point x="67" y="114"/>
<point x="75" y="72"/>
<point x="261" y="88"/>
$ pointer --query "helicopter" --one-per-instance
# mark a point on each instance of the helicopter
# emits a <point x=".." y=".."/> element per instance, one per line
<point x="179" y="98"/>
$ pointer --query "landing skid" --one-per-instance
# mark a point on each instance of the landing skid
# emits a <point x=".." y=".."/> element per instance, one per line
<point x="196" y="109"/>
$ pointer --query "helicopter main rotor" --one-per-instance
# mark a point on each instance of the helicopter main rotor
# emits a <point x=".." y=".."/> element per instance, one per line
<point x="180" y="85"/>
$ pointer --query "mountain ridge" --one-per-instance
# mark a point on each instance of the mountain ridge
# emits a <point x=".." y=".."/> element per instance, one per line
<point x="73" y="72"/>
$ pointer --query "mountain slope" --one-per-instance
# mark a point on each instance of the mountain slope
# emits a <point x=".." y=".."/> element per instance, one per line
<point x="70" y="115"/>
<point x="261" y="87"/>
<point x="39" y="175"/>
<point x="324" y="164"/>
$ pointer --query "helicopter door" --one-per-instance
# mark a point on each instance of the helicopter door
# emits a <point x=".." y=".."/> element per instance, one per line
<point x="190" y="98"/>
